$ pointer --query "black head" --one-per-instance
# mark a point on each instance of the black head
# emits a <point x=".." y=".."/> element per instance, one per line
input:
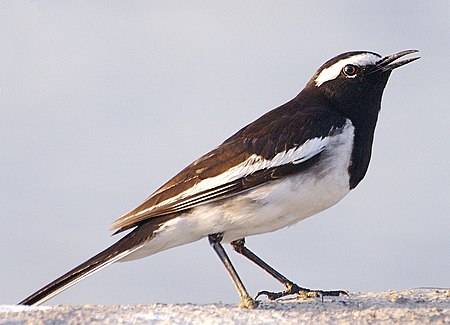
<point x="353" y="82"/>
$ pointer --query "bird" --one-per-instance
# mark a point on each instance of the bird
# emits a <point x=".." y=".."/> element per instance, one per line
<point x="289" y="164"/>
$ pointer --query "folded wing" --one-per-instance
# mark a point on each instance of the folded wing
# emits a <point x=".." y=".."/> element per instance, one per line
<point x="244" y="161"/>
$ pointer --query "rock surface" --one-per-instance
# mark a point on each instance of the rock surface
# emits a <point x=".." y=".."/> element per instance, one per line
<point x="416" y="306"/>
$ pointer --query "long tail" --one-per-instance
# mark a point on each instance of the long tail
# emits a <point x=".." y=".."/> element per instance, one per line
<point x="125" y="246"/>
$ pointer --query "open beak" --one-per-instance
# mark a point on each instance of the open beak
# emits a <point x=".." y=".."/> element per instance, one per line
<point x="387" y="63"/>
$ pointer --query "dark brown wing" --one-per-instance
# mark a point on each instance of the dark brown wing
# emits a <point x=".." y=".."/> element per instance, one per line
<point x="275" y="132"/>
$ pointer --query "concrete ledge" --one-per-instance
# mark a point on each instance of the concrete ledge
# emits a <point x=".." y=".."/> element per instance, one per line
<point x="416" y="306"/>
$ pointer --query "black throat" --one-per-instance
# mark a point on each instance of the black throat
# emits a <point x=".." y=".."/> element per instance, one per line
<point x="362" y="109"/>
<point x="362" y="147"/>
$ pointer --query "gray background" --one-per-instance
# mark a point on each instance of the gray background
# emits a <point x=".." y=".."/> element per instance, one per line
<point x="101" y="102"/>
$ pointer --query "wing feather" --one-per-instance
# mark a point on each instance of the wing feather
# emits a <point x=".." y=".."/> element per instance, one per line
<point x="277" y="144"/>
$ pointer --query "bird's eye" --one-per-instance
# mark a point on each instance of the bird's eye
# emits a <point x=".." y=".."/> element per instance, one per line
<point x="350" y="70"/>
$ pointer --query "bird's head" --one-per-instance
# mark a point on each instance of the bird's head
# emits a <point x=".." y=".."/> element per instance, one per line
<point x="354" y="80"/>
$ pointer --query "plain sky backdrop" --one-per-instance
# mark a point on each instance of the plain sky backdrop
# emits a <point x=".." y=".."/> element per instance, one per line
<point x="103" y="101"/>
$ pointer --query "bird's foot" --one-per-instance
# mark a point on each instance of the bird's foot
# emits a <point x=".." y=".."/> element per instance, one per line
<point x="248" y="303"/>
<point x="293" y="289"/>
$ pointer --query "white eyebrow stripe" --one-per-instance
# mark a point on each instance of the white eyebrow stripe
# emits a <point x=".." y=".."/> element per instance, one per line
<point x="333" y="71"/>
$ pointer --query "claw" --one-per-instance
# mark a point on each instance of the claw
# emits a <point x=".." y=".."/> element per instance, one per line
<point x="292" y="288"/>
<point x="321" y="293"/>
<point x="270" y="295"/>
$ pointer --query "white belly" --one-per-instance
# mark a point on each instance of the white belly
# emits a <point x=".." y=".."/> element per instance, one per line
<point x="267" y="208"/>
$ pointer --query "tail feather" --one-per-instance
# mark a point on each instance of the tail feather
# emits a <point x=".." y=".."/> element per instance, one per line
<point x="125" y="246"/>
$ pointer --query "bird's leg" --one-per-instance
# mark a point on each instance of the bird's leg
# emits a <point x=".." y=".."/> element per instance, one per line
<point x="246" y="301"/>
<point x="291" y="287"/>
